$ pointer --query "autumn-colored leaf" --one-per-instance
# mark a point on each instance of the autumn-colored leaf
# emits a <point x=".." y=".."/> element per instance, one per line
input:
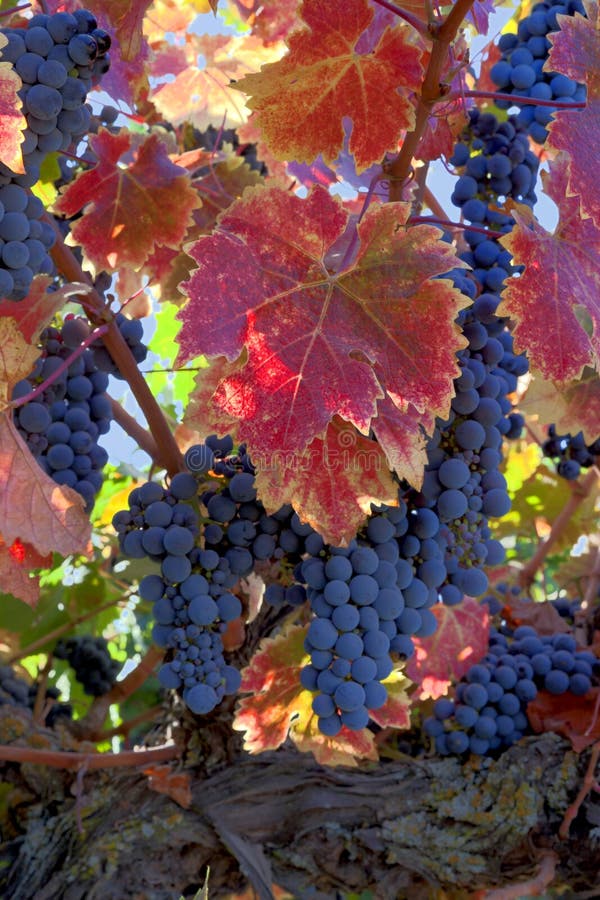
<point x="176" y="785"/>
<point x="204" y="96"/>
<point x="571" y="408"/>
<point x="325" y="77"/>
<point x="16" y="563"/>
<point x="12" y="121"/>
<point x="332" y="484"/>
<point x="17" y="358"/>
<point x="575" y="52"/>
<point x="541" y="616"/>
<point x="321" y="343"/>
<point x="562" y="273"/>
<point x="37" y="309"/>
<point x="128" y="211"/>
<point x="574" y="717"/>
<point x="460" y="641"/>
<point x="171" y="16"/>
<point x="279" y="706"/>
<point x="126" y="17"/>
<point x="270" y="21"/>
<point x="395" y="713"/>
<point x="33" y="508"/>
<point x="401" y="435"/>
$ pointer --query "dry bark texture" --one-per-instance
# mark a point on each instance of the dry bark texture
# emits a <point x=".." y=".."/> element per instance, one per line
<point x="399" y="829"/>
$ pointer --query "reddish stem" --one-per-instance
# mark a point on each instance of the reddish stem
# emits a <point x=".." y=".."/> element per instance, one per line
<point x="96" y="333"/>
<point x="588" y="784"/>
<point x="580" y="490"/>
<point x="61" y="759"/>
<point x="531" y="888"/>
<point x="14" y="9"/>
<point x="416" y="23"/>
<point x="120" y="352"/>
<point x="133" y="428"/>
<point x="433" y="220"/>
<point x="518" y="100"/>
<point x="432" y="91"/>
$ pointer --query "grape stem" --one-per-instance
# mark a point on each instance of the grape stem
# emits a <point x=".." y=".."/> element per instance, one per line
<point x="67" y="264"/>
<point x="52" y="636"/>
<point x="517" y="99"/>
<point x="94" y="335"/>
<point x="14" y="9"/>
<point x="591" y="591"/>
<point x="416" y="23"/>
<point x="589" y="784"/>
<point x="580" y="490"/>
<point x="433" y="220"/>
<point x="132" y="427"/>
<point x="94" y="719"/>
<point x="432" y="90"/>
<point x="62" y="759"/>
<point x="534" y="886"/>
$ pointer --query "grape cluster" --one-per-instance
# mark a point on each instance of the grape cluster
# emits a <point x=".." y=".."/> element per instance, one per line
<point x="58" y="58"/>
<point x="570" y="452"/>
<point x="191" y="597"/>
<point x="131" y="330"/>
<point x="489" y="712"/>
<point x="368" y="600"/>
<point x="520" y="70"/>
<point x="15" y="691"/>
<point x="61" y="425"/>
<point x="90" y="659"/>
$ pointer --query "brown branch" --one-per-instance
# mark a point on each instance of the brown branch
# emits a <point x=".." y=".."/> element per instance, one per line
<point x="132" y="427"/>
<point x="57" y="633"/>
<point x="62" y="759"/>
<point x="92" y="722"/>
<point x="589" y="782"/>
<point x="432" y="203"/>
<point x="432" y="91"/>
<point x="67" y="264"/>
<point x="580" y="490"/>
<point x="531" y="888"/>
<point x="126" y="727"/>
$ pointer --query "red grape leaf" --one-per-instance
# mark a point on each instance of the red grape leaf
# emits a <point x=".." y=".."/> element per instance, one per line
<point x="324" y="77"/>
<point x="401" y="436"/>
<point x="271" y="21"/>
<point x="395" y="713"/>
<point x="279" y="706"/>
<point x="574" y="717"/>
<point x="127" y="19"/>
<point x="542" y="616"/>
<point x="332" y="484"/>
<point x="321" y="343"/>
<point x="199" y="413"/>
<point x="562" y="273"/>
<point x="16" y="563"/>
<point x="573" y="407"/>
<point x="460" y="641"/>
<point x="128" y="211"/>
<point x="204" y="96"/>
<point x="33" y="508"/>
<point x="37" y="309"/>
<point x="176" y="785"/>
<point x="575" y="52"/>
<point x="12" y="121"/>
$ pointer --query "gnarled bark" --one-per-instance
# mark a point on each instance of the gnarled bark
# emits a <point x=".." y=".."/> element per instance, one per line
<point x="397" y="829"/>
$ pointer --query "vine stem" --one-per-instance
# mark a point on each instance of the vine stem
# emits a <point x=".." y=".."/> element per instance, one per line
<point x="93" y="336"/>
<point x="141" y="435"/>
<point x="534" y="886"/>
<point x="580" y="491"/>
<point x="63" y="759"/>
<point x="589" y="783"/>
<point x="432" y="203"/>
<point x="431" y="92"/>
<point x="42" y="642"/>
<point x="416" y="23"/>
<point x="8" y="12"/>
<point x="92" y="722"/>
<point x="116" y="345"/>
<point x="517" y="98"/>
<point x="125" y="727"/>
<point x="447" y="223"/>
